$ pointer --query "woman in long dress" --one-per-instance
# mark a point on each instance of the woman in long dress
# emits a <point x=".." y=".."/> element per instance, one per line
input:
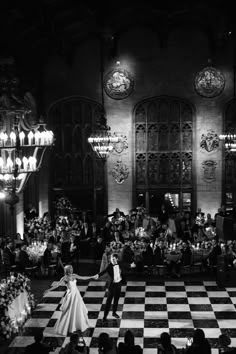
<point x="74" y="314"/>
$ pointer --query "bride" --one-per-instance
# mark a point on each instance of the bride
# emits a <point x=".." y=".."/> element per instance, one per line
<point x="74" y="314"/>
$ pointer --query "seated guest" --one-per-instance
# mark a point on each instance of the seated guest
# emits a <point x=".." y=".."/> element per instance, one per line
<point x="129" y="347"/>
<point x="105" y="344"/>
<point x="165" y="346"/>
<point x="174" y="267"/>
<point x="24" y="260"/>
<point x="200" y="344"/>
<point x="224" y="344"/>
<point x="75" y="345"/>
<point x="38" y="347"/>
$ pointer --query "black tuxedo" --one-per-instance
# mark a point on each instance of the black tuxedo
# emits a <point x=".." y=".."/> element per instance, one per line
<point x="114" y="289"/>
<point x="85" y="237"/>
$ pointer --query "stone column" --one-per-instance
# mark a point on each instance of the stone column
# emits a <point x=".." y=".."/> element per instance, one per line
<point x="20" y="215"/>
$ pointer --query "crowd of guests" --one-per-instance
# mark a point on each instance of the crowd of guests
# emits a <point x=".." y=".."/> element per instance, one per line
<point x="198" y="344"/>
<point x="73" y="236"/>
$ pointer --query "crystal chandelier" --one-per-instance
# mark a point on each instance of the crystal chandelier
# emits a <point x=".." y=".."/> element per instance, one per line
<point x="101" y="139"/>
<point x="23" y="141"/>
<point x="229" y="141"/>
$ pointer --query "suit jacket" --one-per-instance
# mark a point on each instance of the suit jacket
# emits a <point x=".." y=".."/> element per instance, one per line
<point x="24" y="260"/>
<point x="10" y="255"/>
<point x="84" y="235"/>
<point x="109" y="270"/>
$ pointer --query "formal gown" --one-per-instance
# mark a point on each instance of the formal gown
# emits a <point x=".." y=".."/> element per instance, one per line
<point x="74" y="314"/>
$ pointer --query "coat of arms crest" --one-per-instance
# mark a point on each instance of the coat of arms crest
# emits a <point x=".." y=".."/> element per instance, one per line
<point x="209" y="141"/>
<point x="120" y="172"/>
<point x="209" y="168"/>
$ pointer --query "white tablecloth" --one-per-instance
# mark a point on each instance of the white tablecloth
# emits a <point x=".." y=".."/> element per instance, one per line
<point x="18" y="305"/>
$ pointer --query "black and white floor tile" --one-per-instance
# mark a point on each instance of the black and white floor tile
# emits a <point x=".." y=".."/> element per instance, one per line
<point x="148" y="308"/>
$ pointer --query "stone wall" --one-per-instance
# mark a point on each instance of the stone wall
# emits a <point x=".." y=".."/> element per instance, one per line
<point x="168" y="70"/>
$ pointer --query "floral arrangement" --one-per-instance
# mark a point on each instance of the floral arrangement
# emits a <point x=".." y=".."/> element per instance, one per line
<point x="63" y="203"/>
<point x="116" y="246"/>
<point x="10" y="288"/>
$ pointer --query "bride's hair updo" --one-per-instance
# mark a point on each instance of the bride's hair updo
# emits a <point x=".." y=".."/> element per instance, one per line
<point x="68" y="270"/>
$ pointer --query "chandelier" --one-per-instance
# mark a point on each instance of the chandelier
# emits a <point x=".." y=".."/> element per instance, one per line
<point x="23" y="140"/>
<point x="101" y="139"/>
<point x="229" y="141"/>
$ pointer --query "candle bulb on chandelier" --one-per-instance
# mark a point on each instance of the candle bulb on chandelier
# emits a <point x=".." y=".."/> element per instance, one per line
<point x="13" y="138"/>
<point x="22" y="138"/>
<point x="30" y="138"/>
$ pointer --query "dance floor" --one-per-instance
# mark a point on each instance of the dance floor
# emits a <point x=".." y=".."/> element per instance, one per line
<point x="148" y="308"/>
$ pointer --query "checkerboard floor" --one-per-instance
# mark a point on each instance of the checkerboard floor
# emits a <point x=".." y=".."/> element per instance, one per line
<point x="148" y="308"/>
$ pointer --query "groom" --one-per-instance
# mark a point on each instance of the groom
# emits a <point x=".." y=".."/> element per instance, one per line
<point x="114" y="289"/>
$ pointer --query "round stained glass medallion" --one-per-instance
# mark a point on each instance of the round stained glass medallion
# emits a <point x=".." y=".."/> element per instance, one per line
<point x="118" y="84"/>
<point x="209" y="82"/>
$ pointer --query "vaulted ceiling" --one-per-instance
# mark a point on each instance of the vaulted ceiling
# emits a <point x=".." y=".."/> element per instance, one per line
<point x="34" y="29"/>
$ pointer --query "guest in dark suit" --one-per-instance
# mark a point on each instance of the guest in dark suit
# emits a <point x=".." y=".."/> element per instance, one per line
<point x="85" y="238"/>
<point x="24" y="260"/>
<point x="9" y="257"/>
<point x="129" y="347"/>
<point x="47" y="256"/>
<point x="8" y="250"/>
<point x="127" y="256"/>
<point x="115" y="271"/>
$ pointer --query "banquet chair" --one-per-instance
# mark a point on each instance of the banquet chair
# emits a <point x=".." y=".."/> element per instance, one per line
<point x="160" y="269"/>
<point x="31" y="271"/>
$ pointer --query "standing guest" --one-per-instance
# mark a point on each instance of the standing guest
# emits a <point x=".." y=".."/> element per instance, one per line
<point x="85" y="237"/>
<point x="107" y="233"/>
<point x="129" y="347"/>
<point x="65" y="243"/>
<point x="159" y="253"/>
<point x="38" y="347"/>
<point x="115" y="271"/>
<point x="200" y="344"/>
<point x="210" y="260"/>
<point x="127" y="256"/>
<point x="8" y="257"/>
<point x="105" y="344"/>
<point x="165" y="346"/>
<point x="24" y="260"/>
<point x="163" y="215"/>
<point x="99" y="248"/>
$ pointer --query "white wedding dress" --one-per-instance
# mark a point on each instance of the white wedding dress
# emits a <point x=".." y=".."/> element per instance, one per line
<point x="74" y="314"/>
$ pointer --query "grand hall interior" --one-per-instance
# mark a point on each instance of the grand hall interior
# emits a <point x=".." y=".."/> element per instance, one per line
<point x="117" y="177"/>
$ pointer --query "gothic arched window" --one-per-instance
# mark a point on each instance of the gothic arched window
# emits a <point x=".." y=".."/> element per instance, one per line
<point x="163" y="152"/>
